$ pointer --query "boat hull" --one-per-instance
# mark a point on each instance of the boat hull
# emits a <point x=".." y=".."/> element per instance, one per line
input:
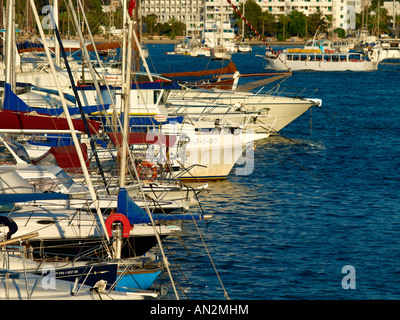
<point x="72" y="232"/>
<point x="282" y="64"/>
<point x="51" y="248"/>
<point x="138" y="279"/>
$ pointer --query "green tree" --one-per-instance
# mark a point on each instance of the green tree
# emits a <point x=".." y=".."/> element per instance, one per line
<point x="283" y="21"/>
<point x="150" y="23"/>
<point x="315" y="21"/>
<point x="269" y="24"/>
<point x="340" y="32"/>
<point x="253" y="14"/>
<point x="297" y="23"/>
<point x="384" y="21"/>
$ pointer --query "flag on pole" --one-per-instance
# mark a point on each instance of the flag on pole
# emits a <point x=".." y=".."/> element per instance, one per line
<point x="131" y="7"/>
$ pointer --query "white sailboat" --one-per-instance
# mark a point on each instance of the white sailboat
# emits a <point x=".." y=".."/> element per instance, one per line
<point x="26" y="279"/>
<point x="244" y="47"/>
<point x="220" y="50"/>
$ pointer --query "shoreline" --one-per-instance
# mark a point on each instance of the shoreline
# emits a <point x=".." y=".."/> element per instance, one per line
<point x="179" y="39"/>
<point x="252" y="42"/>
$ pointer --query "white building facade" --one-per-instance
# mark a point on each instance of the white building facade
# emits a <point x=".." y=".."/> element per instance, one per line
<point x="193" y="12"/>
<point x="392" y="7"/>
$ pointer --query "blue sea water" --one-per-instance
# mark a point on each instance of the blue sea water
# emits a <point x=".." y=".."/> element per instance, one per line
<point x="322" y="196"/>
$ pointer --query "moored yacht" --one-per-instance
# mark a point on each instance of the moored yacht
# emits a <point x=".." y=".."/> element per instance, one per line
<point x="319" y="56"/>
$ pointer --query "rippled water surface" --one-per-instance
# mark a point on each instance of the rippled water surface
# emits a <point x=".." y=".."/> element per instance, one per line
<point x="323" y="195"/>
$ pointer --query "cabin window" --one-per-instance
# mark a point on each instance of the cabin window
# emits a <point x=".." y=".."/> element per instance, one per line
<point x="343" y="58"/>
<point x="157" y="94"/>
<point x="289" y="57"/>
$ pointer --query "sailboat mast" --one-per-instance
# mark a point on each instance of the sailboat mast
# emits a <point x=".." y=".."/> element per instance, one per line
<point x="56" y="22"/>
<point x="70" y="124"/>
<point x="125" y="142"/>
<point x="126" y="96"/>
<point x="124" y="16"/>
<point x="394" y="16"/>
<point x="244" y="14"/>
<point x="10" y="31"/>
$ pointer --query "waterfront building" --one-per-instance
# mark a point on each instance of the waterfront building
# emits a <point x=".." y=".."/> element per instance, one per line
<point x="194" y="12"/>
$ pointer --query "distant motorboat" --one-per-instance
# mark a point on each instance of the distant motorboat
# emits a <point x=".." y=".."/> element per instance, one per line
<point x="319" y="55"/>
<point x="389" y="49"/>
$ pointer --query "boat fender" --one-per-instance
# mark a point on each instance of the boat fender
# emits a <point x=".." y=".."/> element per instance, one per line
<point x="99" y="287"/>
<point x="10" y="223"/>
<point x="121" y="218"/>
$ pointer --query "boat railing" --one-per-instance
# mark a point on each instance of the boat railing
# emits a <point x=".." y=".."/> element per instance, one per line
<point x="286" y="91"/>
<point x="7" y="271"/>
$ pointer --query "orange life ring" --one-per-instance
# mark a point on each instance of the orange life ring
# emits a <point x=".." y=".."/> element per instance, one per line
<point x="144" y="168"/>
<point x="118" y="217"/>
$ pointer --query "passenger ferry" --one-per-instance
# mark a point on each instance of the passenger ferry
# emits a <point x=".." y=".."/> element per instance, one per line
<point x="318" y="55"/>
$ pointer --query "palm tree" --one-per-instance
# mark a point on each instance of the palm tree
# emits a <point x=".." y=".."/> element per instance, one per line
<point x="268" y="23"/>
<point x="63" y="18"/>
<point x="284" y="20"/>
<point x="150" y="22"/>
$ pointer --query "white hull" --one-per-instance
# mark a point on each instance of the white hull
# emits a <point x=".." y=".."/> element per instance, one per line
<point x="221" y="55"/>
<point x="209" y="155"/>
<point x="60" y="223"/>
<point x="389" y="54"/>
<point x="272" y="112"/>
<point x="244" y="48"/>
<point x="193" y="51"/>
<point x="35" y="287"/>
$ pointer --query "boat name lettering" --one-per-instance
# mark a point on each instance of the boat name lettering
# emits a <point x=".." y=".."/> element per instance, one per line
<point x="66" y="272"/>
<point x="204" y="141"/>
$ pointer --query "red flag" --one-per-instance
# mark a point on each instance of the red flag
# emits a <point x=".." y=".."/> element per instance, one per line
<point x="131" y="7"/>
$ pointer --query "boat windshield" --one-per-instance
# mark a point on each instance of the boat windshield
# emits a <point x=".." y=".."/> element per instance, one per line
<point x="65" y="179"/>
<point x="6" y="157"/>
